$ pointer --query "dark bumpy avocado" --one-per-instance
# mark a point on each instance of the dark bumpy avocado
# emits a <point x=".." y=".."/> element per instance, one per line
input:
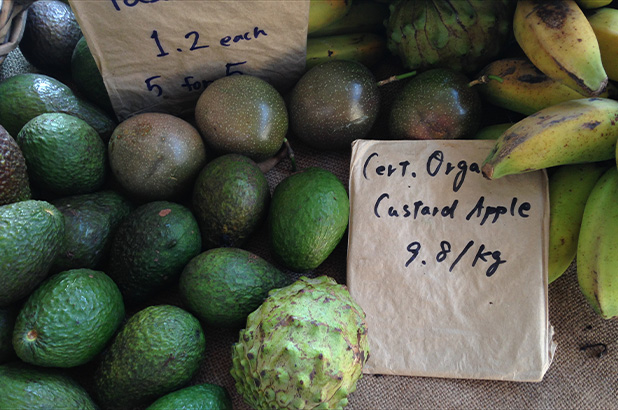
<point x="90" y="221"/>
<point x="151" y="247"/>
<point x="222" y="286"/>
<point x="68" y="319"/>
<point x="242" y="114"/>
<point x="203" y="396"/>
<point x="64" y="154"/>
<point x="230" y="200"/>
<point x="14" y="180"/>
<point x="307" y="218"/>
<point x="436" y="104"/>
<point x="333" y="104"/>
<point x="36" y="388"/>
<point x="50" y="35"/>
<point x="24" y="96"/>
<point x="87" y="77"/>
<point x="158" y="350"/>
<point x="31" y="239"/>
<point x="156" y="156"/>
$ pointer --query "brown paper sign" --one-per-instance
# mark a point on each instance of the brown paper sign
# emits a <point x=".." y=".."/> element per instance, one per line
<point x="159" y="55"/>
<point x="450" y="268"/>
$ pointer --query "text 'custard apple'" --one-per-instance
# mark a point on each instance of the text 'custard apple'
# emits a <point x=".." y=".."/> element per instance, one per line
<point x="303" y="348"/>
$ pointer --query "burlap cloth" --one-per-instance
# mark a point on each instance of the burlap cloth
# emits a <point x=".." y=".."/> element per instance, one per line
<point x="577" y="379"/>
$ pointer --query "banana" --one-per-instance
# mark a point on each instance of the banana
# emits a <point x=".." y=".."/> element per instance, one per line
<point x="523" y="88"/>
<point x="570" y="132"/>
<point x="492" y="132"/>
<point x="604" y="22"/>
<point x="569" y="188"/>
<point x="365" y="16"/>
<point x="558" y="39"/>
<point x="366" y="48"/>
<point x="593" y="4"/>
<point x="325" y="12"/>
<point x="597" y="249"/>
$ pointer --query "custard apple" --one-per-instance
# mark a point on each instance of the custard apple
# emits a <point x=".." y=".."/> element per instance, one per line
<point x="461" y="35"/>
<point x="303" y="348"/>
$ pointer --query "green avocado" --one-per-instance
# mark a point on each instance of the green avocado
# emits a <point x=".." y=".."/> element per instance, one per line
<point x="157" y="351"/>
<point x="7" y="322"/>
<point x="36" y="388"/>
<point x="223" y="285"/>
<point x="205" y="396"/>
<point x="31" y="239"/>
<point x="64" y="154"/>
<point x="307" y="218"/>
<point x="26" y="95"/>
<point x="68" y="319"/>
<point x="230" y="200"/>
<point x="90" y="221"/>
<point x="151" y="247"/>
<point x="87" y="77"/>
<point x="14" y="181"/>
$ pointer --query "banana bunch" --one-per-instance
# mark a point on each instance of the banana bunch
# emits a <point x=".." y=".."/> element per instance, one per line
<point x="560" y="41"/>
<point x="597" y="249"/>
<point x="350" y="30"/>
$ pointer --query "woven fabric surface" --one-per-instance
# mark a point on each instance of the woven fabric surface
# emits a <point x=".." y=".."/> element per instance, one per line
<point x="577" y="379"/>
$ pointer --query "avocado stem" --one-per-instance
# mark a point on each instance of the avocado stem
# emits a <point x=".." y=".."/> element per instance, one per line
<point x="484" y="79"/>
<point x="290" y="154"/>
<point x="285" y="151"/>
<point x="395" y="78"/>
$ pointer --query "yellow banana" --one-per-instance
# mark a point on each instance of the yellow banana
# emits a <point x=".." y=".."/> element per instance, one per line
<point x="558" y="39"/>
<point x="569" y="189"/>
<point x="604" y="22"/>
<point x="366" y="48"/>
<point x="325" y="12"/>
<point x="570" y="132"/>
<point x="365" y="16"/>
<point x="593" y="4"/>
<point x="523" y="88"/>
<point x="597" y="249"/>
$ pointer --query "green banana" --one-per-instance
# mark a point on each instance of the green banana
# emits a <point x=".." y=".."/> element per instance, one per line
<point x="569" y="189"/>
<point x="558" y="39"/>
<point x="325" y="12"/>
<point x="522" y="87"/>
<point x="366" y="48"/>
<point x="597" y="249"/>
<point x="570" y="132"/>
<point x="593" y="4"/>
<point x="365" y="16"/>
<point x="492" y="132"/>
<point x="604" y="22"/>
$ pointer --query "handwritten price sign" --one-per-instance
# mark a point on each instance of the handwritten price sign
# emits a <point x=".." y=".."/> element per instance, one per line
<point x="159" y="55"/>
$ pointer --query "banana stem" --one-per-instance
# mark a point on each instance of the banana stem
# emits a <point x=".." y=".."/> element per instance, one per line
<point x="395" y="78"/>
<point x="484" y="79"/>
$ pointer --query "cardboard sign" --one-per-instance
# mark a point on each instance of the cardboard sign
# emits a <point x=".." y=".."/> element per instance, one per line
<point x="450" y="268"/>
<point x="159" y="55"/>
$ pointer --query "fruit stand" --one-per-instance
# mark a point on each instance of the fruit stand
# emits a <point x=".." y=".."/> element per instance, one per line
<point x="582" y="375"/>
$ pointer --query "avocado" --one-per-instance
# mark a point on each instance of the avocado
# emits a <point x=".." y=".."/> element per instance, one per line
<point x="242" y="114"/>
<point x="14" y="181"/>
<point x="223" y="285"/>
<point x="156" y="156"/>
<point x="31" y="239"/>
<point x="151" y="247"/>
<point x="35" y="388"/>
<point x="158" y="350"/>
<point x="7" y="322"/>
<point x="64" y="154"/>
<point x="333" y="104"/>
<point x="437" y="104"/>
<point x="90" y="221"/>
<point x="50" y="35"/>
<point x="87" y="77"/>
<point x="230" y="200"/>
<point x="307" y="218"/>
<point x="205" y="396"/>
<point x="68" y="319"/>
<point x="26" y="95"/>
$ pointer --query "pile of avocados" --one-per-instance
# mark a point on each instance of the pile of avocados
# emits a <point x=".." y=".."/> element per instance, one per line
<point x="124" y="243"/>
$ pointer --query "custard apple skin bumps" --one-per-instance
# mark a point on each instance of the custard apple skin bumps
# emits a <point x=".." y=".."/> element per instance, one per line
<point x="303" y="348"/>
